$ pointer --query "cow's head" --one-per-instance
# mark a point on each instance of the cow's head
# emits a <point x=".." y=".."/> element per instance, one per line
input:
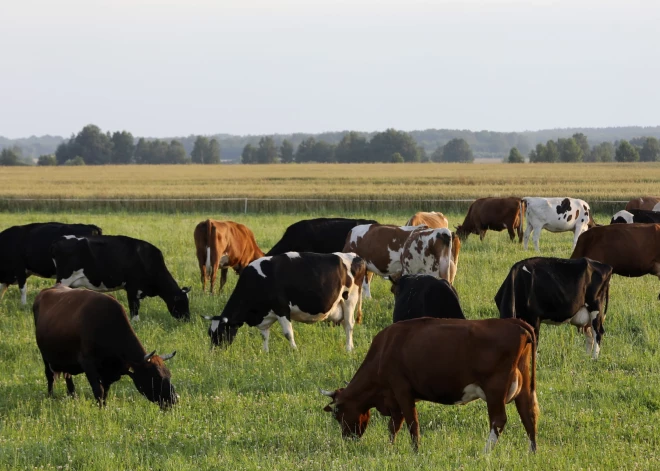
<point x="353" y="421"/>
<point x="152" y="378"/>
<point x="96" y="230"/>
<point x="179" y="305"/>
<point x="462" y="232"/>
<point x="220" y="332"/>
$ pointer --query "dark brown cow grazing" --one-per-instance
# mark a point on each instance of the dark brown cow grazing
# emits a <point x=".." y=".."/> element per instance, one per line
<point x="446" y="361"/>
<point x="224" y="244"/>
<point x="495" y="214"/>
<point x="81" y="331"/>
<point x="630" y="249"/>
<point x="644" y="202"/>
<point x="431" y="220"/>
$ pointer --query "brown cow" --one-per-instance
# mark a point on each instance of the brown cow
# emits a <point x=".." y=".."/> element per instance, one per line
<point x="630" y="249"/>
<point x="431" y="220"/>
<point x="232" y="245"/>
<point x="446" y="361"/>
<point x="428" y="252"/>
<point x="495" y="214"/>
<point x="644" y="202"/>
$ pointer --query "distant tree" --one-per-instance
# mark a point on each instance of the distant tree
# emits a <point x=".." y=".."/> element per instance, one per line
<point x="515" y="157"/>
<point x="423" y="156"/>
<point x="626" y="152"/>
<point x="286" y="151"/>
<point x="266" y="151"/>
<point x="323" y="152"/>
<point x="436" y="156"/>
<point x="305" y="150"/>
<point x="551" y="152"/>
<point x="603" y="152"/>
<point x="141" y="151"/>
<point x="538" y="154"/>
<point x="176" y="153"/>
<point x="76" y="161"/>
<point x="123" y="147"/>
<point x="10" y="156"/>
<point x="248" y="156"/>
<point x="352" y="148"/>
<point x="201" y="150"/>
<point x="583" y="143"/>
<point x="638" y="141"/>
<point x="457" y="150"/>
<point x="397" y="158"/>
<point x="650" y="150"/>
<point x="569" y="150"/>
<point x="93" y="146"/>
<point x="384" y="144"/>
<point x="47" y="160"/>
<point x="214" y="152"/>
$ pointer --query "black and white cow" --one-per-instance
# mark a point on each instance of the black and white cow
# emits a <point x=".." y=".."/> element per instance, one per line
<point x="305" y="287"/>
<point x="25" y="251"/>
<point x="110" y="263"/>
<point x="425" y="296"/>
<point x="556" y="215"/>
<point x="557" y="291"/>
<point x="636" y="216"/>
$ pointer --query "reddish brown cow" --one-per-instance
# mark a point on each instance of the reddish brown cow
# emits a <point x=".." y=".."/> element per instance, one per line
<point x="495" y="214"/>
<point x="446" y="361"/>
<point x="630" y="249"/>
<point x="644" y="202"/>
<point x="224" y="244"/>
<point x="431" y="220"/>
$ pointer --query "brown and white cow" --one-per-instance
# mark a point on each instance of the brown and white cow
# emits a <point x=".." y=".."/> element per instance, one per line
<point x="429" y="252"/>
<point x="495" y="214"/>
<point x="446" y="361"/>
<point x="643" y="202"/>
<point x="223" y="244"/>
<point x="431" y="220"/>
<point x="630" y="249"/>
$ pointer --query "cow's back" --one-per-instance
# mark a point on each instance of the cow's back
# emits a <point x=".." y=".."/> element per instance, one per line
<point x="425" y="296"/>
<point x="320" y="235"/>
<point x="431" y="220"/>
<point x="644" y="202"/>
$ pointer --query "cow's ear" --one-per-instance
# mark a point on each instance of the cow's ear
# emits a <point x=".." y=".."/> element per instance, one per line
<point x="327" y="408"/>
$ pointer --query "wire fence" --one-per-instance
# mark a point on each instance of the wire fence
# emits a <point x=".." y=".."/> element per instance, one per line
<point x="248" y="205"/>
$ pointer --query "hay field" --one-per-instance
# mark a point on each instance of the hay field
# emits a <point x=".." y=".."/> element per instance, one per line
<point x="243" y="409"/>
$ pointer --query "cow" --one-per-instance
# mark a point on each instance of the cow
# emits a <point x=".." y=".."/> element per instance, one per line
<point x="224" y="244"/>
<point x="305" y="287"/>
<point x="636" y="216"/>
<point x="425" y="296"/>
<point x="431" y="220"/>
<point x="109" y="263"/>
<point x="495" y="214"/>
<point x="80" y="331"/>
<point x="25" y="251"/>
<point x="557" y="291"/>
<point x="644" y="202"/>
<point x="630" y="249"/>
<point x="320" y="235"/>
<point x="556" y="215"/>
<point x="445" y="361"/>
<point x="428" y="251"/>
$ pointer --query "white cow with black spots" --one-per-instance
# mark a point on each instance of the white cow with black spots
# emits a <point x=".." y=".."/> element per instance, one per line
<point x="556" y="215"/>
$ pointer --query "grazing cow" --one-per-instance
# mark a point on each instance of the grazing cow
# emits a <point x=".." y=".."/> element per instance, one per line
<point x="644" y="202"/>
<point x="431" y="220"/>
<point x="80" y="331"/>
<point x="556" y="215"/>
<point x="630" y="249"/>
<point x="495" y="214"/>
<point x="425" y="296"/>
<point x="641" y="216"/>
<point x="305" y="287"/>
<point x="224" y="244"/>
<point x="429" y="252"/>
<point x="321" y="235"/>
<point x="557" y="291"/>
<point x="25" y="251"/>
<point x="446" y="361"/>
<point x="109" y="263"/>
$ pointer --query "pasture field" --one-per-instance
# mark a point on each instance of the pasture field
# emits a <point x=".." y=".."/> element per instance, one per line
<point x="241" y="408"/>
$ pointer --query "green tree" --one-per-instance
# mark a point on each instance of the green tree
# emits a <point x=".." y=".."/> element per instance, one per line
<point x="323" y="152"/>
<point x="305" y="150"/>
<point x="93" y="146"/>
<point x="47" y="160"/>
<point x="201" y="150"/>
<point x="384" y="144"/>
<point x="214" y="152"/>
<point x="176" y="153"/>
<point x="248" y="156"/>
<point x="551" y="152"/>
<point x="603" y="152"/>
<point x="583" y="143"/>
<point x="436" y="156"/>
<point x="141" y="151"/>
<point x="457" y="150"/>
<point x="123" y="147"/>
<point x="286" y="152"/>
<point x="266" y="151"/>
<point x="650" y="150"/>
<point x="352" y="148"/>
<point x="423" y="156"/>
<point x="397" y="158"/>
<point x="539" y="154"/>
<point x="75" y="162"/>
<point x="626" y="152"/>
<point x="515" y="157"/>
<point x="10" y="156"/>
<point x="569" y="150"/>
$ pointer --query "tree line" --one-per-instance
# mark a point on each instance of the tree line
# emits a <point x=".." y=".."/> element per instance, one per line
<point x="577" y="149"/>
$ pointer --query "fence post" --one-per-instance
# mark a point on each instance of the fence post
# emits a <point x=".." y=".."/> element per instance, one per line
<point x="245" y="210"/>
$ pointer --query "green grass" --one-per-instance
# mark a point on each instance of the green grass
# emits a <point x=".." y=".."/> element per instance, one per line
<point x="243" y="409"/>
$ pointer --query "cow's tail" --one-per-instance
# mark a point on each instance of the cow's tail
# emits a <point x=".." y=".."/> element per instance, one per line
<point x="522" y="207"/>
<point x="531" y="339"/>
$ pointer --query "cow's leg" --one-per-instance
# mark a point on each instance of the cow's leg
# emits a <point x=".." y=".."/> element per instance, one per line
<point x="452" y="272"/>
<point x="412" y="421"/>
<point x="537" y="238"/>
<point x="512" y="233"/>
<point x="519" y="230"/>
<point x="496" y="416"/>
<point x="367" y="285"/>
<point x="106" y="389"/>
<point x="223" y="277"/>
<point x="396" y="420"/>
<point x="22" y="285"/>
<point x="528" y="232"/>
<point x="202" y="269"/>
<point x="576" y="235"/>
<point x="50" y="377"/>
<point x="94" y="379"/>
<point x="70" y="387"/>
<point x="287" y="328"/>
<point x="133" y="305"/>
<point x="528" y="409"/>
<point x="264" y="328"/>
<point x="265" y="333"/>
<point x="482" y="234"/>
<point x="348" y="308"/>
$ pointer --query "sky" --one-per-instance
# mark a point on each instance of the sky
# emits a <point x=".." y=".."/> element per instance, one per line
<point x="174" y="68"/>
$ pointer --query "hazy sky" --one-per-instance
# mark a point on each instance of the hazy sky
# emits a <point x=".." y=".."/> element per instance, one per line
<point x="170" y="68"/>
